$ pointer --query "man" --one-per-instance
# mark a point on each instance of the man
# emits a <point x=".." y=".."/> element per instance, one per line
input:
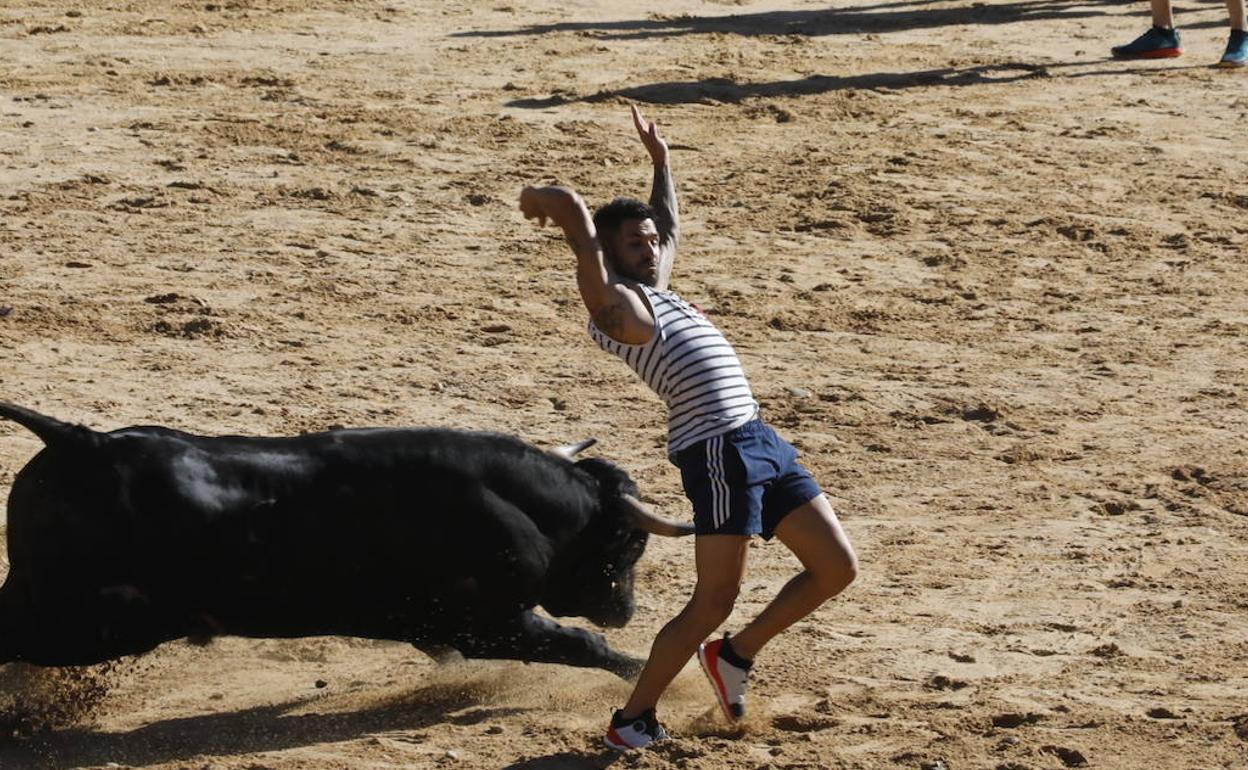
<point x="741" y="478"/>
<point x="1161" y="41"/>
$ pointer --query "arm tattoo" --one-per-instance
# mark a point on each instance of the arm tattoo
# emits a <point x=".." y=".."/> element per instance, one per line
<point x="663" y="201"/>
<point x="667" y="219"/>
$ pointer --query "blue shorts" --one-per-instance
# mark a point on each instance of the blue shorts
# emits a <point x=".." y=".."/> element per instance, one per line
<point x="743" y="482"/>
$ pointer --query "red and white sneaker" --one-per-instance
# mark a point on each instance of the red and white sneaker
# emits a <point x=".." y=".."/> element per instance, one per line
<point x="727" y="680"/>
<point x="638" y="733"/>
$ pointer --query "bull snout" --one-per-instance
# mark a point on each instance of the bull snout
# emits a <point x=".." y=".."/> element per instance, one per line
<point x="617" y="606"/>
<point x="605" y="604"/>
<point x="613" y="617"/>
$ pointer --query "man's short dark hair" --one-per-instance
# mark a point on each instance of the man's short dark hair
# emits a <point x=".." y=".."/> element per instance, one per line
<point x="608" y="218"/>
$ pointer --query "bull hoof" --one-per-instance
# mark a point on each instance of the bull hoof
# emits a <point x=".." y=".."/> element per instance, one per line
<point x="628" y="668"/>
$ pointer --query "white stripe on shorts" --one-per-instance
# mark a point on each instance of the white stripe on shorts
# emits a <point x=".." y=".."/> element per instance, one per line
<point x="720" y="502"/>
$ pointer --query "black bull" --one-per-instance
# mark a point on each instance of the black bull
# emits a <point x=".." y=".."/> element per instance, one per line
<point x="445" y="539"/>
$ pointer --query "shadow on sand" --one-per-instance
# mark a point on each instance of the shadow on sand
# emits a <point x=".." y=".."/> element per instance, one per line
<point x="881" y="17"/>
<point x="260" y="729"/>
<point x="569" y="760"/>
<point x="727" y="91"/>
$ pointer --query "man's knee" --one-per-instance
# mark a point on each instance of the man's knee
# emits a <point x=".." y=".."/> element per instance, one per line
<point x="714" y="605"/>
<point x="836" y="575"/>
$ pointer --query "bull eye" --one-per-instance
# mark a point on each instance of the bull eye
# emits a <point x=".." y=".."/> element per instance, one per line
<point x="614" y="585"/>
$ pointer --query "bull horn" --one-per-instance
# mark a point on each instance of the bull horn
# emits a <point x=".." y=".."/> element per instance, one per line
<point x="653" y="523"/>
<point x="569" y="451"/>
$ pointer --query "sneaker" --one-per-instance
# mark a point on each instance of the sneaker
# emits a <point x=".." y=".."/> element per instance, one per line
<point x="636" y="733"/>
<point x="1236" y="50"/>
<point x="1157" y="43"/>
<point x="728" y="680"/>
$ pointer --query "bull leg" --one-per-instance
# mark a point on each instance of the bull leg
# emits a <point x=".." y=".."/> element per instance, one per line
<point x="82" y="629"/>
<point x="539" y="640"/>
<point x="14" y="620"/>
<point x="8" y="626"/>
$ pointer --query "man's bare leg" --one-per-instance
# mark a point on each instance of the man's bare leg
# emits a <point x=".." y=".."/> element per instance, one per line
<point x="814" y="535"/>
<point x="1163" y="14"/>
<point x="1235" y="10"/>
<point x="720" y="561"/>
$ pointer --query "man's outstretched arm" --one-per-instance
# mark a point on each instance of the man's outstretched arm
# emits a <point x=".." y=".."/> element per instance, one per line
<point x="662" y="195"/>
<point x="616" y="309"/>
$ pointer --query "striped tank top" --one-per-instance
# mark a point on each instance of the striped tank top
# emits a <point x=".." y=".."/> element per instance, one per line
<point x="690" y="365"/>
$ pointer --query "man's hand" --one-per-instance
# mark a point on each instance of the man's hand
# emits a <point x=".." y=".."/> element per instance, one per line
<point x="563" y="207"/>
<point x="649" y="132"/>
<point x="533" y="204"/>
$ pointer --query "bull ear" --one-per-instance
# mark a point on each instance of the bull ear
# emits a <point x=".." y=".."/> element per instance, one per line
<point x="570" y="451"/>
<point x="651" y="522"/>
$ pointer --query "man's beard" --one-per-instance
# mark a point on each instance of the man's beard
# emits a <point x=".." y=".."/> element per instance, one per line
<point x="643" y="278"/>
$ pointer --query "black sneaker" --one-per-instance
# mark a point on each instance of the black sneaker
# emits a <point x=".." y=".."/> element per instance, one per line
<point x="636" y="733"/>
<point x="1157" y="43"/>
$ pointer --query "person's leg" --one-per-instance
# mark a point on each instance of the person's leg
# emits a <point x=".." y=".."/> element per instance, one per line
<point x="720" y="561"/>
<point x="1163" y="14"/>
<point x="1235" y="10"/>
<point x="814" y="535"/>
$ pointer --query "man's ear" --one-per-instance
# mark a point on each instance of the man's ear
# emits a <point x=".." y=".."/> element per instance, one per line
<point x="608" y="253"/>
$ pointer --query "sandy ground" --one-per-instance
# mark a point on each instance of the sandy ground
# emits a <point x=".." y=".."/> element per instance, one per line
<point x="991" y="283"/>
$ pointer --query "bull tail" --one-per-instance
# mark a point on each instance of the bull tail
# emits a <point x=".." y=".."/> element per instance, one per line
<point x="52" y="431"/>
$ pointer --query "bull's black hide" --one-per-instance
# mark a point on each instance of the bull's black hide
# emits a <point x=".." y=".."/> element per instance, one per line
<point x="120" y="541"/>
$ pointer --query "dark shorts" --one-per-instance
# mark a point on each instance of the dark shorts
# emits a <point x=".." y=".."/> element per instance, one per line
<point x="743" y="482"/>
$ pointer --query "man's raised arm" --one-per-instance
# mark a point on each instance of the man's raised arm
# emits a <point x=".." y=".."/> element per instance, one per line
<point x="662" y="195"/>
<point x="615" y="309"/>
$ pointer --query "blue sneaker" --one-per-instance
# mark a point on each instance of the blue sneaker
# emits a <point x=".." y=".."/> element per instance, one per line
<point x="1157" y="43"/>
<point x="1236" y="50"/>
